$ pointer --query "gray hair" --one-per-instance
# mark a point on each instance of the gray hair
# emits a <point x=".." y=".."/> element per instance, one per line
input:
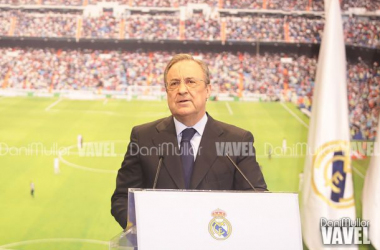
<point x="186" y="57"/>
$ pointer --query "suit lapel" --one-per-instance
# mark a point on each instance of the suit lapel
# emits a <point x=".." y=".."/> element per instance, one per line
<point x="166" y="139"/>
<point x="206" y="152"/>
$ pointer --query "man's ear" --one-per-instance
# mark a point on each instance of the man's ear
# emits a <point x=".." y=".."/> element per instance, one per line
<point x="208" y="89"/>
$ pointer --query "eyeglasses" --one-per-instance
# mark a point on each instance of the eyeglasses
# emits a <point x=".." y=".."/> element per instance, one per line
<point x="189" y="82"/>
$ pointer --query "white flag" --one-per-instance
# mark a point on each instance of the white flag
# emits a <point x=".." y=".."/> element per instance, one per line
<point x="328" y="188"/>
<point x="371" y="194"/>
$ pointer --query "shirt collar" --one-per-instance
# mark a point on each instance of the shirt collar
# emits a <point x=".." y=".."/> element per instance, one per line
<point x="199" y="126"/>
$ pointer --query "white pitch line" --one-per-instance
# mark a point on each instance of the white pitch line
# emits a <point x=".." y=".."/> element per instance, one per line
<point x="105" y="101"/>
<point x="53" y="104"/>
<point x="294" y="115"/>
<point x="358" y="172"/>
<point x="2" y="248"/>
<point x="229" y="108"/>
<point x="86" y="168"/>
<point x="28" y="242"/>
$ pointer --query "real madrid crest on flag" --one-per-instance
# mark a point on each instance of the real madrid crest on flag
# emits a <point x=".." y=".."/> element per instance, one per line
<point x="219" y="227"/>
<point x="331" y="169"/>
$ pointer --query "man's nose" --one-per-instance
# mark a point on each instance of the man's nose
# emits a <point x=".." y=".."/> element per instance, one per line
<point x="182" y="88"/>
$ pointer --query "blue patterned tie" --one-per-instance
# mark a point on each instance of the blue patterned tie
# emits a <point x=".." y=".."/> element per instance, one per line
<point x="187" y="154"/>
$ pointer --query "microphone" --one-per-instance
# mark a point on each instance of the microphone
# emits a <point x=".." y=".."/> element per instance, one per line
<point x="245" y="177"/>
<point x="158" y="171"/>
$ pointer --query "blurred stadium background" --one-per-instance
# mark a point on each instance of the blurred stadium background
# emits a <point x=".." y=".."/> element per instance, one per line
<point x="95" y="68"/>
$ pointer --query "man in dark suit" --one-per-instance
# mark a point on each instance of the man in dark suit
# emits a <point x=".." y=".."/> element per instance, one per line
<point x="191" y="143"/>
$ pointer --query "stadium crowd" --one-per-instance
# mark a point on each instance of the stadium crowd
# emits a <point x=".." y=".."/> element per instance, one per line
<point x="5" y="22"/>
<point x="279" y="76"/>
<point x="153" y="3"/>
<point x="364" y="99"/>
<point x="288" y="5"/>
<point x="43" y="2"/>
<point x="48" y="24"/>
<point x="94" y="2"/>
<point x="305" y="30"/>
<point x="243" y="4"/>
<point x="105" y="26"/>
<point x="364" y="33"/>
<point x="62" y="2"/>
<point x="62" y="69"/>
<point x="370" y="5"/>
<point x="318" y="5"/>
<point x="202" y="27"/>
<point x="359" y="31"/>
<point x="253" y="28"/>
<point x="175" y="3"/>
<point x="152" y="27"/>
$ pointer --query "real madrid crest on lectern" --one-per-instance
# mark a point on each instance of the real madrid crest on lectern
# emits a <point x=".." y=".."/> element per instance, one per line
<point x="219" y="227"/>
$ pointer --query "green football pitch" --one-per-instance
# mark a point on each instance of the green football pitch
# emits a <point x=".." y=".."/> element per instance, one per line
<point x="71" y="210"/>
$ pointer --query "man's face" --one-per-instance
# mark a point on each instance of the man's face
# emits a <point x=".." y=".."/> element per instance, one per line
<point x="187" y="104"/>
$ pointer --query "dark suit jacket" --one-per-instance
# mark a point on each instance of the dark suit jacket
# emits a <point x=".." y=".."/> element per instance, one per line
<point x="211" y="172"/>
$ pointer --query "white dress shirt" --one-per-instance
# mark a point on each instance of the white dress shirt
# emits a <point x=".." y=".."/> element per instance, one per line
<point x="196" y="140"/>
